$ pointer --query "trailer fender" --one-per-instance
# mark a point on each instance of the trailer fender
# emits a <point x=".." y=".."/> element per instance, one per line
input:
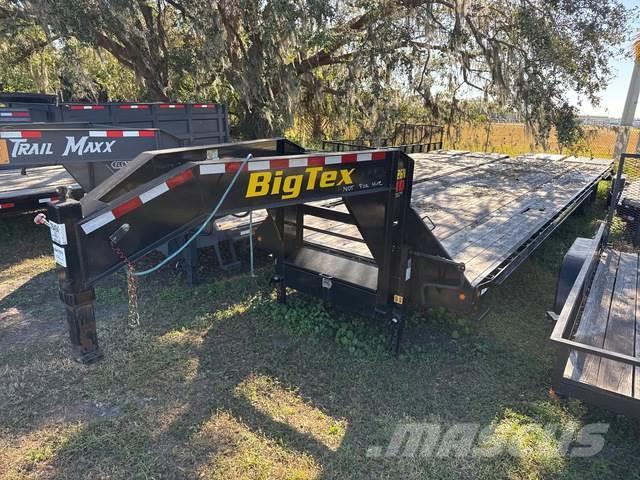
<point x="573" y="260"/>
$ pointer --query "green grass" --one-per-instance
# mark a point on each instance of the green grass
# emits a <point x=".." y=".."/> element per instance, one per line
<point x="221" y="382"/>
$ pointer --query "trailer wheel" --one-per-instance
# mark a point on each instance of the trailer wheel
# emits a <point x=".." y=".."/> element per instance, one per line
<point x="571" y="265"/>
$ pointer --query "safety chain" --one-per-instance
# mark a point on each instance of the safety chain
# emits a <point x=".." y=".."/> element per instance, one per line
<point x="132" y="287"/>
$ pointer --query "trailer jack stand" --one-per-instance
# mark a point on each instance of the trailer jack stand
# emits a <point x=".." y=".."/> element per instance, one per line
<point x="80" y="308"/>
<point x="281" y="289"/>
<point x="397" y="328"/>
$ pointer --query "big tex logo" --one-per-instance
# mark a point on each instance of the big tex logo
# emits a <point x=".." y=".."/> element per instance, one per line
<point x="290" y="186"/>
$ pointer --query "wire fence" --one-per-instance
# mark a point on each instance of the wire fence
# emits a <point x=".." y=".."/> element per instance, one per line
<point x="625" y="225"/>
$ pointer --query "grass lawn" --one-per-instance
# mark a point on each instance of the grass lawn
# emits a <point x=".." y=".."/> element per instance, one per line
<point x="219" y="382"/>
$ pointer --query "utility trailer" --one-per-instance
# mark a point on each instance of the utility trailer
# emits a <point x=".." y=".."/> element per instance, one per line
<point x="597" y="311"/>
<point x="412" y="219"/>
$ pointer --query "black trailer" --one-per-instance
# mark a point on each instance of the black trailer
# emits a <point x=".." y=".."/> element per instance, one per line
<point x="412" y="223"/>
<point x="597" y="309"/>
<point x="91" y="141"/>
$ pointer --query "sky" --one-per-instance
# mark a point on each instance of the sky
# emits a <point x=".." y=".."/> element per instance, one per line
<point x="613" y="98"/>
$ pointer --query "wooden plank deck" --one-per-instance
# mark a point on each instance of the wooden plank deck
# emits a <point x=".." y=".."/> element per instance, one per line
<point x="609" y="320"/>
<point x="37" y="181"/>
<point x="484" y="206"/>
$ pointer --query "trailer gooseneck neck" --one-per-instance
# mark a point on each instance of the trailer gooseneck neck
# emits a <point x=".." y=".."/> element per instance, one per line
<point x="163" y="194"/>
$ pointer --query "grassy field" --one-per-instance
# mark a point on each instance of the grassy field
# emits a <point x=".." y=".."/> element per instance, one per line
<point x="515" y="139"/>
<point x="219" y="382"/>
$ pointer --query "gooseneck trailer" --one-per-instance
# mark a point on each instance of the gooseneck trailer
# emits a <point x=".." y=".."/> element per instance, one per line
<point x="374" y="231"/>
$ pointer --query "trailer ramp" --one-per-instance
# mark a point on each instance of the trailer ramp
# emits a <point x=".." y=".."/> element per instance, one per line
<point x="598" y="310"/>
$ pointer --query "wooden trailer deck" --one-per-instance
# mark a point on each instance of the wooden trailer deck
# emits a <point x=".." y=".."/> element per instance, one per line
<point x="37" y="181"/>
<point x="609" y="320"/>
<point x="482" y="208"/>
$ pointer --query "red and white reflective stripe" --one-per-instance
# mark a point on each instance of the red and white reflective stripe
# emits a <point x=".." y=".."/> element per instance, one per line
<point x="284" y="163"/>
<point x="14" y="114"/>
<point x="7" y="205"/>
<point x="130" y="205"/>
<point x="204" y="105"/>
<point x="122" y="133"/>
<point x="47" y="199"/>
<point x="134" y="107"/>
<point x="86" y="107"/>
<point x="172" y="105"/>
<point x="21" y="134"/>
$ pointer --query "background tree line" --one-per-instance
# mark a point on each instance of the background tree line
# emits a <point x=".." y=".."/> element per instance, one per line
<point x="333" y="64"/>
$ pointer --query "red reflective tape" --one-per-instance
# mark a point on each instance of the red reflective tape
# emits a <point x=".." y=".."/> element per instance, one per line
<point x="20" y="114"/>
<point x="114" y="133"/>
<point x="7" y="205"/>
<point x="30" y="134"/>
<point x="234" y="167"/>
<point x="147" y="133"/>
<point x="172" y="105"/>
<point x="315" y="161"/>
<point x="275" y="164"/>
<point x="179" y="179"/>
<point x="349" y="158"/>
<point x="378" y="155"/>
<point x="126" y="207"/>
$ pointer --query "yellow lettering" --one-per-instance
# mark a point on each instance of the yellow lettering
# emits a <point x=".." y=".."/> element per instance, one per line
<point x="276" y="183"/>
<point x="313" y="174"/>
<point x="345" y="177"/>
<point x="258" y="184"/>
<point x="328" y="179"/>
<point x="291" y="187"/>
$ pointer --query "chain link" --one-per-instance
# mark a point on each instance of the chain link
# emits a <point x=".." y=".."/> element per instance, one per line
<point x="132" y="288"/>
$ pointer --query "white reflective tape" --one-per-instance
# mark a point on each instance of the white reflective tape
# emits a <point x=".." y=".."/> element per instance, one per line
<point x="130" y="133"/>
<point x="263" y="165"/>
<point x="97" y="133"/>
<point x="332" y="160"/>
<point x="154" y="192"/>
<point x="298" y="162"/>
<point x="10" y="134"/>
<point x="5" y="114"/>
<point x="245" y="232"/>
<point x="44" y="200"/>
<point x="363" y="157"/>
<point x="58" y="232"/>
<point x="94" y="224"/>
<point x="212" y="169"/>
<point x="59" y="255"/>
